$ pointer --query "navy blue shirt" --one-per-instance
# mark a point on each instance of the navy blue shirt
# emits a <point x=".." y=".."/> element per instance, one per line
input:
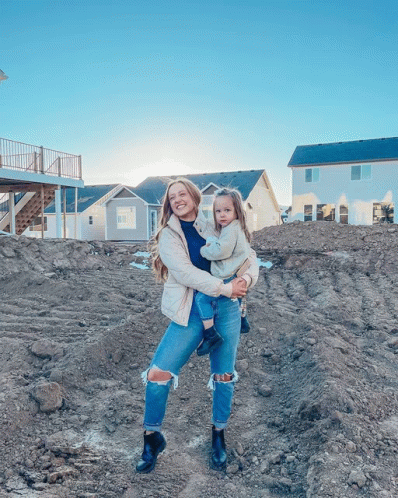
<point x="195" y="242"/>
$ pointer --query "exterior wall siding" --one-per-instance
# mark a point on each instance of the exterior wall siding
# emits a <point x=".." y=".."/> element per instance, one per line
<point x="264" y="213"/>
<point x="85" y="231"/>
<point x="140" y="232"/>
<point x="336" y="187"/>
<point x="51" y="232"/>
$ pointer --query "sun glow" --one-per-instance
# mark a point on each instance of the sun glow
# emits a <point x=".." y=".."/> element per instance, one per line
<point x="163" y="167"/>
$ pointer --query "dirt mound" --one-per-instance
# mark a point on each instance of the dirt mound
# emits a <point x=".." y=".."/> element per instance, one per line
<point x="315" y="413"/>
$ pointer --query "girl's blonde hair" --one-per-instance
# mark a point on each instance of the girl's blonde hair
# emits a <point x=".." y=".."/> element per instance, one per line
<point x="159" y="269"/>
<point x="237" y="202"/>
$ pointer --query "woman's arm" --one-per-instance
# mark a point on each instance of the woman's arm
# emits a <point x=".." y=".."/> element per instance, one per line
<point x="175" y="257"/>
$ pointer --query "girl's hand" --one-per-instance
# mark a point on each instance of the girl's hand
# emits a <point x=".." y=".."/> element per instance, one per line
<point x="238" y="287"/>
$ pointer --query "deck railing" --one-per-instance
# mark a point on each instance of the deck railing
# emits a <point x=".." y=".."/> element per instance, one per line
<point x="25" y="157"/>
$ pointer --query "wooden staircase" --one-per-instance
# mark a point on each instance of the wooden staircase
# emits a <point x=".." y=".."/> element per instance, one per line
<point x="32" y="210"/>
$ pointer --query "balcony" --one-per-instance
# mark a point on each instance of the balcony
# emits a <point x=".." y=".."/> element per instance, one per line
<point x="30" y="178"/>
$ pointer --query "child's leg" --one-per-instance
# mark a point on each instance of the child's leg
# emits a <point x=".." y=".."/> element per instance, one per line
<point x="205" y="308"/>
<point x="211" y="338"/>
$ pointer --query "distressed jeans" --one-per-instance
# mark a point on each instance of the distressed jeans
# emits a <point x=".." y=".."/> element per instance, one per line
<point x="173" y="352"/>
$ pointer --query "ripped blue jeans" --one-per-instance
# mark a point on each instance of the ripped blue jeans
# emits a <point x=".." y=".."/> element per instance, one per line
<point x="175" y="349"/>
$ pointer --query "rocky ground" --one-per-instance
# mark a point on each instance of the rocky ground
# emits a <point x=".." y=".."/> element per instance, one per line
<point x="316" y="409"/>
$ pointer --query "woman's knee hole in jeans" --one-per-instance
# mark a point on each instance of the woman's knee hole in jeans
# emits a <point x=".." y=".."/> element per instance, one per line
<point x="159" y="376"/>
<point x="227" y="377"/>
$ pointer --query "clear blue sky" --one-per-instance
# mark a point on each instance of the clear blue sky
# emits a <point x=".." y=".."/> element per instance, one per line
<point x="151" y="87"/>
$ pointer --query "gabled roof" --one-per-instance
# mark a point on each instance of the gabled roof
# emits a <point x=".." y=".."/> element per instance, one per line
<point x="153" y="188"/>
<point x="86" y="197"/>
<point x="380" y="149"/>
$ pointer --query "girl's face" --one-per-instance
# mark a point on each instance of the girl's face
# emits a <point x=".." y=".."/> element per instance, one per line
<point x="224" y="210"/>
<point x="181" y="202"/>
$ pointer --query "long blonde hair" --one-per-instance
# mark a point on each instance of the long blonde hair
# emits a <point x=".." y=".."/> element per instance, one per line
<point x="237" y="202"/>
<point x="159" y="269"/>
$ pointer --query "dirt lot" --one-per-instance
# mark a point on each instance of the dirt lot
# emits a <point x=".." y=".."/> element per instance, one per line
<point x="315" y="412"/>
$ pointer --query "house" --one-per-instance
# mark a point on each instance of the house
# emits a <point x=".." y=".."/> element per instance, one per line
<point x="347" y="182"/>
<point x="132" y="213"/>
<point x="83" y="214"/>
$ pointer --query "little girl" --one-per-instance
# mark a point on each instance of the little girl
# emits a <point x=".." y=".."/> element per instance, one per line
<point x="227" y="254"/>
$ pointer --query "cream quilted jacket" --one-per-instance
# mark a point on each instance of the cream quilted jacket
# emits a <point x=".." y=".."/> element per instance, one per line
<point x="184" y="277"/>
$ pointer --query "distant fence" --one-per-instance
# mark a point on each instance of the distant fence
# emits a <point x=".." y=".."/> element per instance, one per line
<point x="25" y="157"/>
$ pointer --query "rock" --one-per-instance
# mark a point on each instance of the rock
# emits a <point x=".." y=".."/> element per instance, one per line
<point x="239" y="449"/>
<point x="233" y="469"/>
<point x="310" y="340"/>
<point x="351" y="447"/>
<point x="8" y="252"/>
<point x="46" y="349"/>
<point x="61" y="473"/>
<point x="265" y="390"/>
<point x="242" y="365"/>
<point x="275" y="359"/>
<point x="117" y="356"/>
<point x="68" y="442"/>
<point x="357" y="477"/>
<point x="393" y="343"/>
<point x="276" y="457"/>
<point x="48" y="395"/>
<point x="56" y="375"/>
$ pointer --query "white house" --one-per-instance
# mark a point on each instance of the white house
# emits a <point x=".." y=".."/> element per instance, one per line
<point x="132" y="213"/>
<point x="122" y="213"/>
<point x="347" y="182"/>
<point x="84" y="219"/>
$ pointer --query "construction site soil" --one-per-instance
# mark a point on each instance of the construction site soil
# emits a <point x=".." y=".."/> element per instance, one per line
<point x="315" y="412"/>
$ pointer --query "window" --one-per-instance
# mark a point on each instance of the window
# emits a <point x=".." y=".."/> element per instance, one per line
<point x="383" y="212"/>
<point x="308" y="212"/>
<point x="154" y="222"/>
<point x="36" y="224"/>
<point x="361" y="172"/>
<point x="90" y="220"/>
<point x="344" y="215"/>
<point x="125" y="217"/>
<point x="325" y="212"/>
<point x="312" y="175"/>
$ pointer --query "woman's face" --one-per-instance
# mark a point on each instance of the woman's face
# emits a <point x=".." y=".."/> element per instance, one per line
<point x="181" y="202"/>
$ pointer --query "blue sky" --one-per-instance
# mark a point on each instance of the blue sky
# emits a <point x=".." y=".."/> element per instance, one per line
<point x="152" y="87"/>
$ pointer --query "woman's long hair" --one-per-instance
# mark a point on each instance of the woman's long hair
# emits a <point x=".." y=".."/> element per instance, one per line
<point x="237" y="202"/>
<point x="159" y="269"/>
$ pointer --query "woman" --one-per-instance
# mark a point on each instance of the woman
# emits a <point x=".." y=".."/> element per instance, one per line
<point x="178" y="262"/>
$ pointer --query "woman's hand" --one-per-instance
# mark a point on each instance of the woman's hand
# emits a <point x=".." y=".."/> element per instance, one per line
<point x="238" y="287"/>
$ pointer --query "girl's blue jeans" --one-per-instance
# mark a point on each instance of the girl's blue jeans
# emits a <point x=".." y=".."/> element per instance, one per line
<point x="173" y="352"/>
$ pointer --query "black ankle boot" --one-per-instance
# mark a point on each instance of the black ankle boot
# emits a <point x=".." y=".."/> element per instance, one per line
<point x="153" y="444"/>
<point x="218" y="451"/>
<point x="211" y="341"/>
<point x="244" y="325"/>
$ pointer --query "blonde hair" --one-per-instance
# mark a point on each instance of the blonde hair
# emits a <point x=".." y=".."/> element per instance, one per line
<point x="159" y="269"/>
<point x="237" y="202"/>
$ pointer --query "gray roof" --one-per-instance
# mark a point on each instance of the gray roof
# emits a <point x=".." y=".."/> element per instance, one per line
<point x="380" y="149"/>
<point x="86" y="197"/>
<point x="152" y="189"/>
